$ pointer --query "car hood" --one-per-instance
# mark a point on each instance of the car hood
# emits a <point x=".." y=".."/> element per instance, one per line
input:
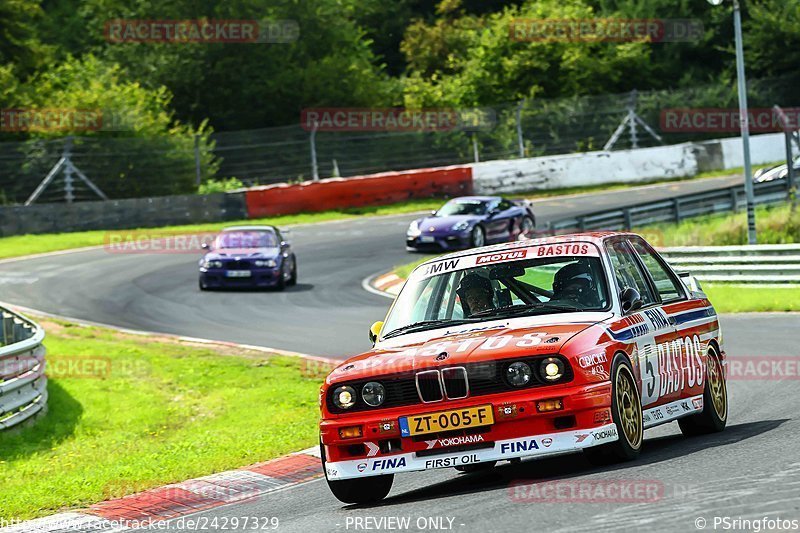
<point x="469" y="343"/>
<point x="244" y="253"/>
<point x="445" y="223"/>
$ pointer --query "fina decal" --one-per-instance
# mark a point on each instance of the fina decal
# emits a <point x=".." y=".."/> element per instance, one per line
<point x="361" y="467"/>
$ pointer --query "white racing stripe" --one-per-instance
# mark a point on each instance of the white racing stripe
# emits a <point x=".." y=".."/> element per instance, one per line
<point x="533" y="445"/>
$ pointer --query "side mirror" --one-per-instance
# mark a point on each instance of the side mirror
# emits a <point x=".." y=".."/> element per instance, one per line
<point x="630" y="299"/>
<point x="433" y="213"/>
<point x="205" y="246"/>
<point x="284" y="244"/>
<point x="374" y="331"/>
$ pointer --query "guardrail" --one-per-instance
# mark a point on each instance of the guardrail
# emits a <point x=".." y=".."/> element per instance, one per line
<point x="23" y="384"/>
<point x="763" y="263"/>
<point x="674" y="209"/>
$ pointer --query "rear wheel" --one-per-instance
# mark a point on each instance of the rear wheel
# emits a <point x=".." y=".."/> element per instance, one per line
<point x="714" y="416"/>
<point x="478" y="237"/>
<point x="526" y="227"/>
<point x="626" y="412"/>
<point x="367" y="490"/>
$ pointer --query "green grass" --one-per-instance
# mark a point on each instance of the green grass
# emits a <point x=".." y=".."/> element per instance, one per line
<point x="729" y="298"/>
<point x="774" y="225"/>
<point x="166" y="411"/>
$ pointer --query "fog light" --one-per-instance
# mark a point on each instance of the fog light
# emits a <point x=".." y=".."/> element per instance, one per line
<point x="350" y="432"/>
<point x="549" y="405"/>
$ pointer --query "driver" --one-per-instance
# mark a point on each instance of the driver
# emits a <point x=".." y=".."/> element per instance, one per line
<point x="574" y="282"/>
<point x="476" y="293"/>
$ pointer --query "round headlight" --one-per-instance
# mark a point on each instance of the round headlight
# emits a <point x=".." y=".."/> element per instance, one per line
<point x="413" y="229"/>
<point x="519" y="374"/>
<point x="373" y="394"/>
<point x="344" y="397"/>
<point x="213" y="264"/>
<point x="551" y="369"/>
<point x="269" y="263"/>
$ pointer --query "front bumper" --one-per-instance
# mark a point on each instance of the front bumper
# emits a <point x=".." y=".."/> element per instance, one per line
<point x="216" y="278"/>
<point x="439" y="241"/>
<point x="530" y="445"/>
<point x="518" y="430"/>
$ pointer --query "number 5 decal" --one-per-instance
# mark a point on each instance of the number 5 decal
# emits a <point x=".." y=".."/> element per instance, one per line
<point x="651" y="377"/>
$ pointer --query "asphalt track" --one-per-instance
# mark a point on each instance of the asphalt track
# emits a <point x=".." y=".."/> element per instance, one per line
<point x="326" y="314"/>
<point x="751" y="470"/>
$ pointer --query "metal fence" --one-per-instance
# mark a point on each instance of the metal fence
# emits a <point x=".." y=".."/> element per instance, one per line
<point x="762" y="263"/>
<point x="124" y="167"/>
<point x="673" y="210"/>
<point x="23" y="384"/>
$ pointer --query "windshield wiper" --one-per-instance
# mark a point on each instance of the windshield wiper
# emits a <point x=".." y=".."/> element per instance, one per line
<point x="425" y="324"/>
<point x="523" y="308"/>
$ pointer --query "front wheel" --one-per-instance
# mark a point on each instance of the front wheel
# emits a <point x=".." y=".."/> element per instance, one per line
<point x="366" y="490"/>
<point x="714" y="416"/>
<point x="526" y="227"/>
<point x="626" y="413"/>
<point x="477" y="237"/>
<point x="293" y="278"/>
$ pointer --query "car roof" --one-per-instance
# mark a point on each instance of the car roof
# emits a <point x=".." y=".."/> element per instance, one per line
<point x="250" y="228"/>
<point x="595" y="237"/>
<point x="477" y="198"/>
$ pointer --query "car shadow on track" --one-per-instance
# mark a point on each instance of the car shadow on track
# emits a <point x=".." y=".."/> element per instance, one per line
<point x="575" y="465"/>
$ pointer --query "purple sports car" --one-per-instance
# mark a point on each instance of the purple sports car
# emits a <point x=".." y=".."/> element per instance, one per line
<point x="248" y="256"/>
<point x="471" y="222"/>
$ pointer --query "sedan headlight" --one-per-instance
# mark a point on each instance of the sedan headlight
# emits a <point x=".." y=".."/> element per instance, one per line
<point x="212" y="264"/>
<point x="344" y="397"/>
<point x="551" y="369"/>
<point x="461" y="226"/>
<point x="373" y="394"/>
<point x="519" y="374"/>
<point x="413" y="229"/>
<point x="261" y="263"/>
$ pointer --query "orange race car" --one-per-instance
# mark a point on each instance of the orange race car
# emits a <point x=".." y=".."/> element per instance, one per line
<point x="569" y="343"/>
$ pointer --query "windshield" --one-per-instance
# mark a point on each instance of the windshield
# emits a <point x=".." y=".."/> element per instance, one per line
<point x="463" y="207"/>
<point x="247" y="239"/>
<point x="518" y="288"/>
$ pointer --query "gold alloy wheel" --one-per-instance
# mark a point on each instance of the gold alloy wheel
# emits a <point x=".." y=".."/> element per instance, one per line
<point x="629" y="407"/>
<point x="716" y="385"/>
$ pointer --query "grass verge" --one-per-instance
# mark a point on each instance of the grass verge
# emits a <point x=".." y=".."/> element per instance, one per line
<point x="128" y="413"/>
<point x="730" y="298"/>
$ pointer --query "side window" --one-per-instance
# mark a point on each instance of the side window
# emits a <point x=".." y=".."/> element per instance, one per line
<point x="665" y="285"/>
<point x="627" y="271"/>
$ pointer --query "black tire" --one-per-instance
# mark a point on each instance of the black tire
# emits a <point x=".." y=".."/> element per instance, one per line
<point x="626" y="413"/>
<point x="293" y="280"/>
<point x="367" y="490"/>
<point x="201" y="286"/>
<point x="478" y="467"/>
<point x="527" y="221"/>
<point x="281" y="285"/>
<point x="477" y="237"/>
<point x="714" y="416"/>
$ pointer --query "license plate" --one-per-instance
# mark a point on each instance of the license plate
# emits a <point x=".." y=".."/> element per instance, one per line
<point x="446" y="420"/>
<point x="427" y="239"/>
<point x="238" y="273"/>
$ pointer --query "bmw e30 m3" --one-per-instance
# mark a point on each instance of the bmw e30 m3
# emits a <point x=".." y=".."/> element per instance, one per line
<point x="571" y="343"/>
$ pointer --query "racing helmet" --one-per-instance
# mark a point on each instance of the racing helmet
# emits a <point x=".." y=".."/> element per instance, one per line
<point x="578" y="274"/>
<point x="474" y="281"/>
